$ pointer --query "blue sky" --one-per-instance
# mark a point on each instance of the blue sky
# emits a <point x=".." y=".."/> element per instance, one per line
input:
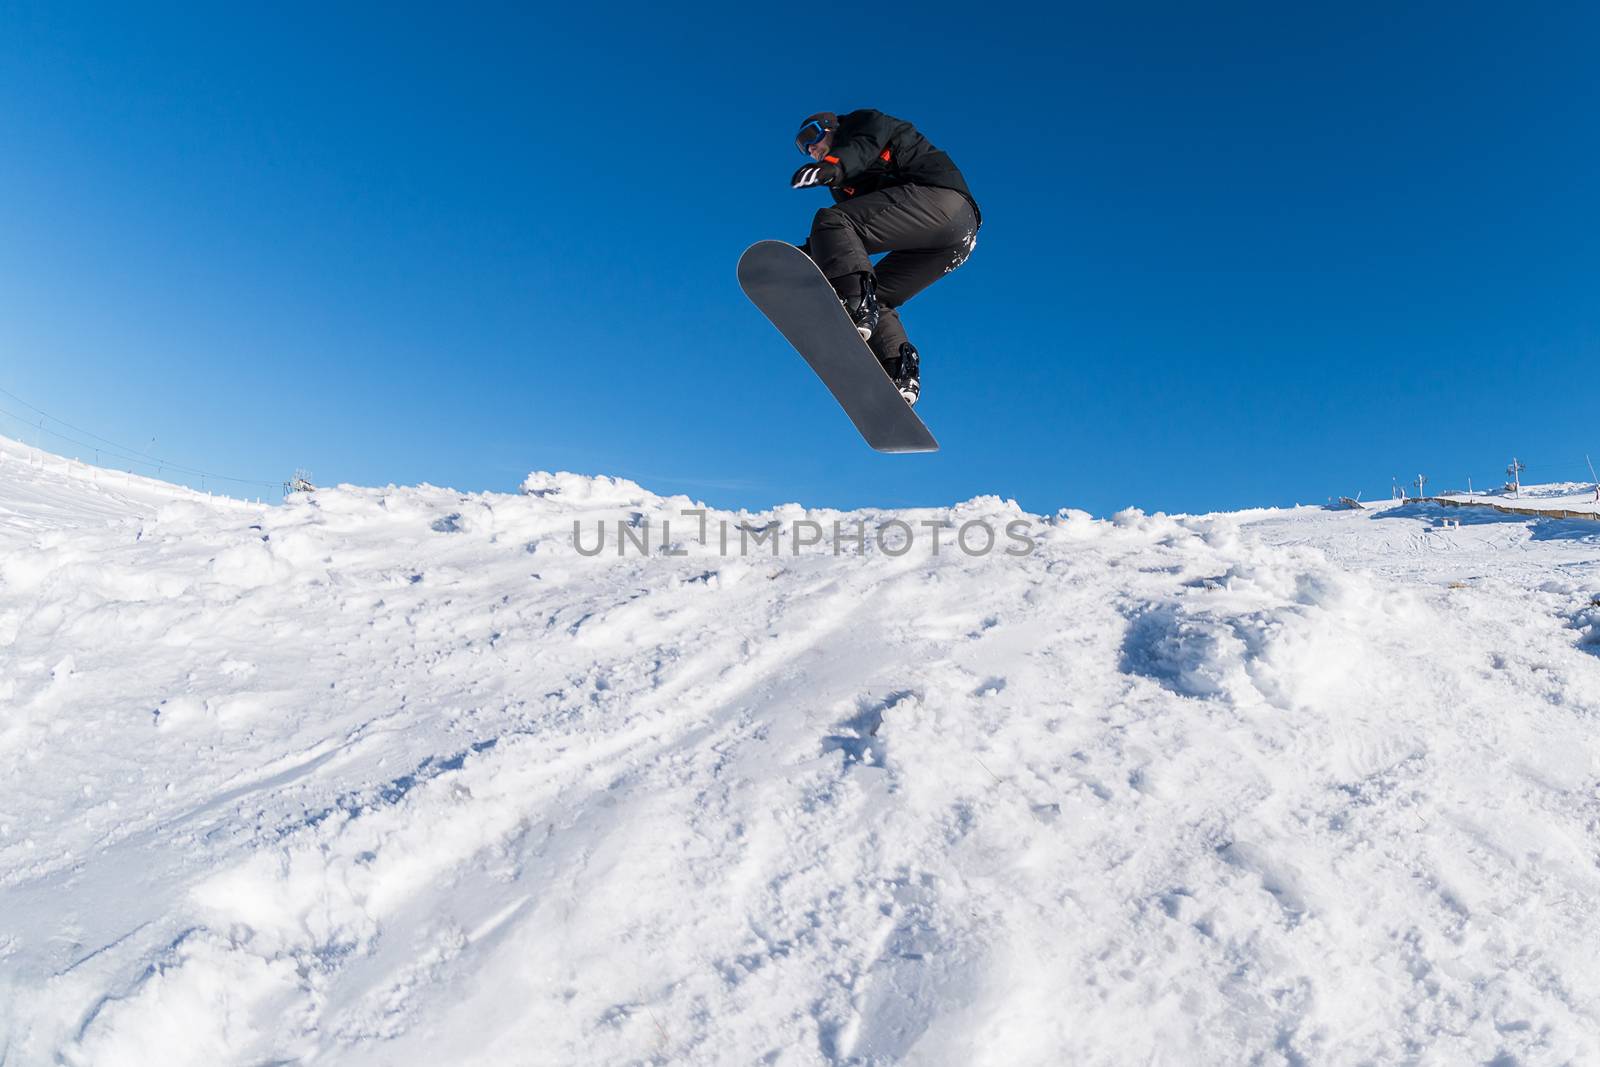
<point x="1233" y="255"/>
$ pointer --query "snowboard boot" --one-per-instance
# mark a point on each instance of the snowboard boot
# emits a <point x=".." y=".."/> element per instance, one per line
<point x="862" y="304"/>
<point x="906" y="370"/>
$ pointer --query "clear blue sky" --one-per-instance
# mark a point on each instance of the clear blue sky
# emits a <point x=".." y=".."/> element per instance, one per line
<point x="1233" y="254"/>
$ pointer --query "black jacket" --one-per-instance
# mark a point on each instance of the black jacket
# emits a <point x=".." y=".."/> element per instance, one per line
<point x="877" y="151"/>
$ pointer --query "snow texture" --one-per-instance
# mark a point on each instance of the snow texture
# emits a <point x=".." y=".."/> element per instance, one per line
<point x="394" y="776"/>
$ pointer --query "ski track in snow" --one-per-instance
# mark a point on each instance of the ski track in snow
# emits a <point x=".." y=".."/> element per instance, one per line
<point x="396" y="775"/>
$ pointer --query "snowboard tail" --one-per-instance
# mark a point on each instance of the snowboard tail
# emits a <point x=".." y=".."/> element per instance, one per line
<point x="792" y="293"/>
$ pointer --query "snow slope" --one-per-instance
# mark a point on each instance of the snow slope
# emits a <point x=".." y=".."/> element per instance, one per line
<point x="393" y="776"/>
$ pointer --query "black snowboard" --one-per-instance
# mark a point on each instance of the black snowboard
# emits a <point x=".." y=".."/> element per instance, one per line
<point x="790" y="291"/>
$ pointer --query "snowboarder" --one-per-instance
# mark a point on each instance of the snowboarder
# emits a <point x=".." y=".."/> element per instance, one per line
<point x="893" y="192"/>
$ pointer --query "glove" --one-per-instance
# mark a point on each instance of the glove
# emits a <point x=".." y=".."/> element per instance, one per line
<point x="815" y="174"/>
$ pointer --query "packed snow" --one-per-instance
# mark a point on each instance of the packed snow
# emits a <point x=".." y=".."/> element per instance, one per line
<point x="408" y="775"/>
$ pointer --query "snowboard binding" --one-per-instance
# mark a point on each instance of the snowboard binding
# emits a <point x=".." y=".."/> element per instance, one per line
<point x="863" y="307"/>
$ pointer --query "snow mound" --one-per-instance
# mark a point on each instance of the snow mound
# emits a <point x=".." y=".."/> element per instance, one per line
<point x="577" y="490"/>
<point x="395" y="775"/>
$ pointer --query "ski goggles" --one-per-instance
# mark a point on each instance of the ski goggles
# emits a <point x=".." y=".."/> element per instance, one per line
<point x="810" y="135"/>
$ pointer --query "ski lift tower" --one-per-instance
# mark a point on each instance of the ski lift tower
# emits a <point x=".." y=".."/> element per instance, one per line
<point x="300" y="483"/>
<point x="1514" y="472"/>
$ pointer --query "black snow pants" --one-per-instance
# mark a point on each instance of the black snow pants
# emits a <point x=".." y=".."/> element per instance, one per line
<point x="927" y="231"/>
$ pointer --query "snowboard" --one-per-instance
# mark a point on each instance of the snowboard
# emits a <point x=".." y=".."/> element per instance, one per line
<point x="791" y="292"/>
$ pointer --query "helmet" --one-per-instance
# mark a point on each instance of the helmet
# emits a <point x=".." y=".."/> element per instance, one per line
<point x="814" y="129"/>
